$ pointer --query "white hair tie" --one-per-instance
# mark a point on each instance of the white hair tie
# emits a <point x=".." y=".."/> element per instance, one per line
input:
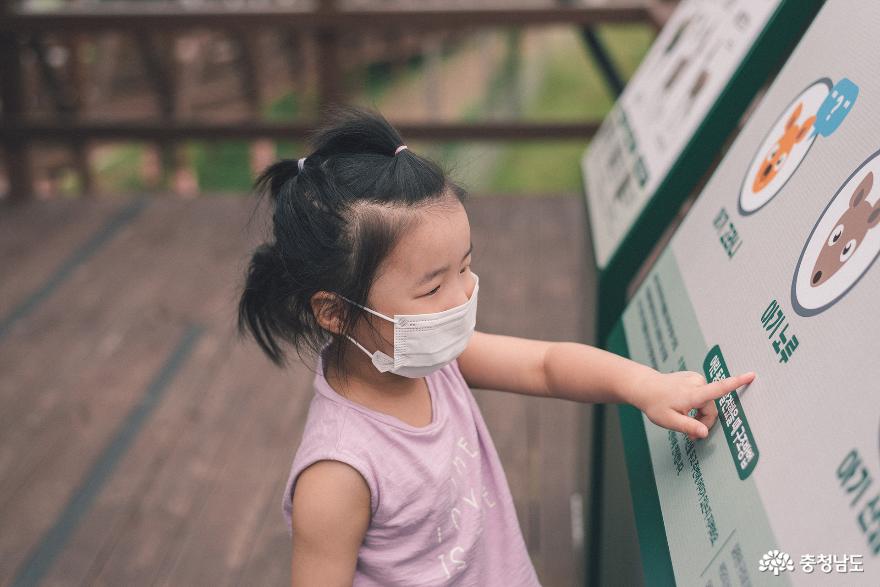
<point x="399" y="149"/>
<point x="301" y="162"/>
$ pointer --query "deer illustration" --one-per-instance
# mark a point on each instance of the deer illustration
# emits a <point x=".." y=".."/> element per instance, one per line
<point x="792" y="135"/>
<point x="848" y="232"/>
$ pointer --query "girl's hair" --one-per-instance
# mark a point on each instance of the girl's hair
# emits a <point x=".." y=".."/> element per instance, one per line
<point x="333" y="223"/>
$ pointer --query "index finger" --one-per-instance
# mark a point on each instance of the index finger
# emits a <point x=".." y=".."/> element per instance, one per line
<point x="722" y="387"/>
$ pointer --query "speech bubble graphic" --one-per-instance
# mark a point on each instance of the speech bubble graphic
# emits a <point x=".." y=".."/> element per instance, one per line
<point x="835" y="107"/>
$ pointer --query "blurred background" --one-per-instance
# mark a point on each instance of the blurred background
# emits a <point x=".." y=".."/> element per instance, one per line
<point x="140" y="441"/>
<point x="221" y="66"/>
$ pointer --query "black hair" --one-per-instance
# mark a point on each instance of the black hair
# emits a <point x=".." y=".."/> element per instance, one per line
<point x="333" y="223"/>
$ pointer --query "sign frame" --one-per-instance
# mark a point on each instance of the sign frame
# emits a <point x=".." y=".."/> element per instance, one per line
<point x="763" y="59"/>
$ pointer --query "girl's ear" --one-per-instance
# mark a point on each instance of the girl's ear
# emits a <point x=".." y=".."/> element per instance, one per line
<point x="328" y="311"/>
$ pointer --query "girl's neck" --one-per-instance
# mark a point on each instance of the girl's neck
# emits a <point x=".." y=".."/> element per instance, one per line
<point x="363" y="383"/>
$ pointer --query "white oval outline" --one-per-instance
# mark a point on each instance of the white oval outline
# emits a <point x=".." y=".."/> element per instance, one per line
<point x="824" y="80"/>
<point x="800" y="310"/>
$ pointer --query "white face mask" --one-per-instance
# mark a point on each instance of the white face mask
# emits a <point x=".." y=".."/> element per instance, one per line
<point x="424" y="343"/>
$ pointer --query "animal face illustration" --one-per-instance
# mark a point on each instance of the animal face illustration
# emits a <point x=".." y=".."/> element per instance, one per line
<point x="775" y="159"/>
<point x="848" y="232"/>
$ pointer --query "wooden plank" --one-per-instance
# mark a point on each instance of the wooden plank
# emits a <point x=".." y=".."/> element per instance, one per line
<point x="85" y="320"/>
<point x="425" y="17"/>
<point x="42" y="557"/>
<point x="46" y="464"/>
<point x="154" y="512"/>
<point x="250" y="486"/>
<point x="132" y="528"/>
<point x="36" y="238"/>
<point x="116" y="325"/>
<point x="129" y="130"/>
<point x="181" y="419"/>
<point x="12" y="76"/>
<point x="81" y="326"/>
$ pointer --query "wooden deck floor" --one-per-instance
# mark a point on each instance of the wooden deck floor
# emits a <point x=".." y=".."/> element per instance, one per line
<point x="140" y="444"/>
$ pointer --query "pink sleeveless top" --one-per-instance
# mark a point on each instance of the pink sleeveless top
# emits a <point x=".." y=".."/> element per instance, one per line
<point x="442" y="513"/>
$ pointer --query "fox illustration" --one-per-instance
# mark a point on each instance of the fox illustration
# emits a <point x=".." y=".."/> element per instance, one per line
<point x="848" y="232"/>
<point x="792" y="135"/>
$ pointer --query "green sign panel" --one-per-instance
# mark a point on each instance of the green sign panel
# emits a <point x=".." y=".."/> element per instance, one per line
<point x="773" y="271"/>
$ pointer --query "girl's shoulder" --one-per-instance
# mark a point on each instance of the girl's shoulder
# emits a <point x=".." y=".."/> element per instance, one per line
<point x="324" y="439"/>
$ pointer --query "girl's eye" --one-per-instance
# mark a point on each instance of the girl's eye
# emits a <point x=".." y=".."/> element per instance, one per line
<point x="433" y="291"/>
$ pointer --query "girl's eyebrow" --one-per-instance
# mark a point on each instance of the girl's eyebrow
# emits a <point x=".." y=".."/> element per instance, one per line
<point x="468" y="252"/>
<point x="431" y="275"/>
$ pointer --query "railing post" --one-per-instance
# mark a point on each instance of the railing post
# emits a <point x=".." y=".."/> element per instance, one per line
<point x="159" y="63"/>
<point x="603" y="60"/>
<point x="329" y="78"/>
<point x="14" y="145"/>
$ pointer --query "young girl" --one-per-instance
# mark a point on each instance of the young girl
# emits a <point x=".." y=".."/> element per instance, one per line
<point x="396" y="480"/>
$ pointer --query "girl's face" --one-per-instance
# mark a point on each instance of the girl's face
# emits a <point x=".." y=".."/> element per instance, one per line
<point x="428" y="271"/>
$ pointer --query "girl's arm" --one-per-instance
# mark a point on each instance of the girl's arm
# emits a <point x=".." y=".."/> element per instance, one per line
<point x="583" y="373"/>
<point x="331" y="513"/>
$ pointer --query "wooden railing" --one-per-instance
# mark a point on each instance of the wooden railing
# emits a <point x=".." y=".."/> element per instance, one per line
<point x="327" y="20"/>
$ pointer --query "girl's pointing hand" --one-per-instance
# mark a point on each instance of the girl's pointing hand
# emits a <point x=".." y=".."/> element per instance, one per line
<point x="667" y="398"/>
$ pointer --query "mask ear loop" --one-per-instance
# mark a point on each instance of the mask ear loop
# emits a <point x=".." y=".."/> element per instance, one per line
<point x="360" y="346"/>
<point x="380" y="315"/>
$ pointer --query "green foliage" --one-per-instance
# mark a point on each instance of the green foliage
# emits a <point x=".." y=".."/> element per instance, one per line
<point x="572" y="89"/>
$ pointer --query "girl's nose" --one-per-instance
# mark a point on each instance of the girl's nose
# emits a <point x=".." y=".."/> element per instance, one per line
<point x="470" y="289"/>
<point x="466" y="293"/>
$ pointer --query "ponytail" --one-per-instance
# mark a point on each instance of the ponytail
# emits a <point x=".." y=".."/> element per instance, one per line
<point x="275" y="177"/>
<point x="263" y="307"/>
